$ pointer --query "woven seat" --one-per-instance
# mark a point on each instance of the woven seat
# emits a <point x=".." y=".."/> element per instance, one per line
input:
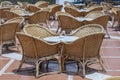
<point x="37" y="31"/>
<point x="86" y="30"/>
<point x="94" y="14"/>
<point x="17" y="11"/>
<point x="7" y="34"/>
<point x="85" y="49"/>
<point x="36" y="51"/>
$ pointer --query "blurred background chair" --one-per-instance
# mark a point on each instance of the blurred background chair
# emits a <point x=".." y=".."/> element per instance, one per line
<point x="7" y="34"/>
<point x="40" y="17"/>
<point x="68" y="23"/>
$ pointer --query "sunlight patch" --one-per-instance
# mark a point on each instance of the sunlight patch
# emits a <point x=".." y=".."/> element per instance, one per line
<point x="97" y="76"/>
<point x="15" y="56"/>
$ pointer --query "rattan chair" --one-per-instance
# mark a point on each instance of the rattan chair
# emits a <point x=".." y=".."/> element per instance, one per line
<point x="19" y="20"/>
<point x="68" y="23"/>
<point x="36" y="51"/>
<point x="38" y="31"/>
<point x="7" y="34"/>
<point x="73" y="11"/>
<point x="102" y="20"/>
<point x="86" y="48"/>
<point x="40" y="17"/>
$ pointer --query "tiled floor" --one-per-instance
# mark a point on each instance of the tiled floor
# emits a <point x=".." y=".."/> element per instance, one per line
<point x="110" y="52"/>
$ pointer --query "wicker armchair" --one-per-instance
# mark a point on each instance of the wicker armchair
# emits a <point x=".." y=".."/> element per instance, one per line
<point x="73" y="11"/>
<point x="37" y="31"/>
<point x="19" y="20"/>
<point x="36" y="51"/>
<point x="68" y="23"/>
<point x="102" y="20"/>
<point x="40" y="17"/>
<point x="85" y="49"/>
<point x="7" y="34"/>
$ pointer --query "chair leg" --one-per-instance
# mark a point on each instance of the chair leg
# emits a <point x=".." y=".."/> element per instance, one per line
<point x="37" y="69"/>
<point x="78" y="66"/>
<point x="101" y="63"/>
<point x="0" y="49"/>
<point x="16" y="45"/>
<point x="47" y="63"/>
<point x="20" y="65"/>
<point x="83" y="68"/>
<point x="61" y="64"/>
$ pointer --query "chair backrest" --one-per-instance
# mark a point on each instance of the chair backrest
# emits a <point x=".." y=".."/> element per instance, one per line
<point x="33" y="8"/>
<point x="9" y="15"/>
<point x="102" y="20"/>
<point x="36" y="48"/>
<point x="8" y="31"/>
<point x="39" y="17"/>
<point x="86" y="46"/>
<point x="68" y="22"/>
<point x="28" y="45"/>
<point x="41" y="4"/>
<point x="94" y="8"/>
<point x="45" y="49"/>
<point x="73" y="11"/>
<point x="19" y="20"/>
<point x="94" y="14"/>
<point x="37" y="31"/>
<point x="2" y="12"/>
<point x="54" y="9"/>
